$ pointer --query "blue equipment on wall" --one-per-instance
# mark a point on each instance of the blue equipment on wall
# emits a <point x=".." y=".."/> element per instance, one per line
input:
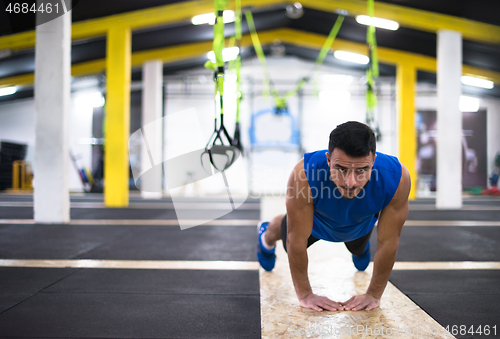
<point x="270" y="128"/>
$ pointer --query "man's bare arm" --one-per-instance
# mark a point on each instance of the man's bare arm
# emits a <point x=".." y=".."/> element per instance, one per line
<point x="300" y="212"/>
<point x="389" y="228"/>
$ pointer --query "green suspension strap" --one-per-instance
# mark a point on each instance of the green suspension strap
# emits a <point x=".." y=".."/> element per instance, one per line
<point x="237" y="63"/>
<point x="218" y="68"/>
<point x="218" y="65"/>
<point x="326" y="47"/>
<point x="319" y="61"/>
<point x="260" y="53"/>
<point x="372" y="72"/>
<point x="221" y="150"/>
<point x="280" y="102"/>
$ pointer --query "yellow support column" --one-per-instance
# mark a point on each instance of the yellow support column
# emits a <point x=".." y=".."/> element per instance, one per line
<point x="117" y="125"/>
<point x="406" y="76"/>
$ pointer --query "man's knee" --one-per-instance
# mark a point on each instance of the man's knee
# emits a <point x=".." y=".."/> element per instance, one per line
<point x="275" y="224"/>
<point x="356" y="250"/>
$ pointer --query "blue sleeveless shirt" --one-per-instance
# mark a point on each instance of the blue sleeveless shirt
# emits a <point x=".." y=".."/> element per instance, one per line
<point x="338" y="219"/>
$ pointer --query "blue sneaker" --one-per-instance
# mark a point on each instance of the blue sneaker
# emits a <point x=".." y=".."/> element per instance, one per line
<point x="266" y="258"/>
<point x="361" y="261"/>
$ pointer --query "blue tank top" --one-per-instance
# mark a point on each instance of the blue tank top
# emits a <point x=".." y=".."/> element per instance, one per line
<point x="338" y="219"/>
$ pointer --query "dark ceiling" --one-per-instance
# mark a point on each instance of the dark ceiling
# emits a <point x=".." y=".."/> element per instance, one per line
<point x="486" y="56"/>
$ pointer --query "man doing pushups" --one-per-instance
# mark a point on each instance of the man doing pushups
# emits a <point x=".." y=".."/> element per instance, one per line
<point x="338" y="195"/>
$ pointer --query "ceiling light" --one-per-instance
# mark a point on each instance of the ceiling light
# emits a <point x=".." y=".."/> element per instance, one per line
<point x="472" y="81"/>
<point x="209" y="18"/>
<point x="228" y="54"/>
<point x="203" y="19"/>
<point x="352" y="57"/>
<point x="228" y="16"/>
<point x="468" y="104"/>
<point x="377" y="22"/>
<point x="8" y="90"/>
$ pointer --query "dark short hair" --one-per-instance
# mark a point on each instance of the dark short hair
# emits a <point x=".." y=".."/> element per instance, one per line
<point x="354" y="138"/>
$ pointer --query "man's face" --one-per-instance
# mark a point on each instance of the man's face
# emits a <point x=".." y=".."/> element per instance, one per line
<point x="350" y="174"/>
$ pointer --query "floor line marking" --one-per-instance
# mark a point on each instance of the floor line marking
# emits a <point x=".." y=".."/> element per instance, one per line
<point x="227" y="265"/>
<point x="149" y="205"/>
<point x="142" y="222"/>
<point x="446" y="265"/>
<point x="235" y="222"/>
<point x="133" y="264"/>
<point x="463" y="208"/>
<point x="467" y="223"/>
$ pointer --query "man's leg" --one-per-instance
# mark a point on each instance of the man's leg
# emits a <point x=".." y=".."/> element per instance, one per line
<point x="358" y="246"/>
<point x="269" y="233"/>
<point x="273" y="232"/>
<point x="360" y="249"/>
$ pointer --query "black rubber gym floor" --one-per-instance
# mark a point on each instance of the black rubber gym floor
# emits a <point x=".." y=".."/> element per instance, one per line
<point x="226" y="243"/>
<point x="132" y="198"/>
<point x="120" y="303"/>
<point x="481" y="215"/>
<point x="175" y="303"/>
<point x="447" y="243"/>
<point x="128" y="303"/>
<point x="467" y="298"/>
<point x="467" y="301"/>
<point x="125" y="213"/>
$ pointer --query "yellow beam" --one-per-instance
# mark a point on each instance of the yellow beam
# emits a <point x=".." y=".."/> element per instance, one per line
<point x="385" y="55"/>
<point x="117" y="125"/>
<point x="18" y="80"/>
<point x="286" y="35"/>
<point x="172" y="54"/>
<point x="89" y="67"/>
<point x="480" y="73"/>
<point x="19" y="41"/>
<point x="178" y="12"/>
<point x="406" y="79"/>
<point x="140" y="19"/>
<point x="144" y="18"/>
<point x="81" y="69"/>
<point x="413" y="18"/>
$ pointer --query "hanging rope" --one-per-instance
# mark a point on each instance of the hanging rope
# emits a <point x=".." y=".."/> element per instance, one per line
<point x="218" y="68"/>
<point x="259" y="51"/>
<point x="221" y="155"/>
<point x="372" y="72"/>
<point x="216" y="144"/>
<point x="326" y="48"/>
<point x="237" y="27"/>
<point x="280" y="102"/>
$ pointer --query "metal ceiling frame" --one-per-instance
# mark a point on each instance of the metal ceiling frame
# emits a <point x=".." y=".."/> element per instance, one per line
<point x="180" y="12"/>
<point x="285" y="35"/>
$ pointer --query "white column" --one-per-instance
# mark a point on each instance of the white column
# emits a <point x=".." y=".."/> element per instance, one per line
<point x="151" y="152"/>
<point x="449" y="120"/>
<point x="52" y="106"/>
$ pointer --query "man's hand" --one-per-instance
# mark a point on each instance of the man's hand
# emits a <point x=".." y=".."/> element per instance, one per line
<point x="361" y="302"/>
<point x="319" y="303"/>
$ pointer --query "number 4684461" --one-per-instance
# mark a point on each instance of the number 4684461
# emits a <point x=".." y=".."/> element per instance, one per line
<point x="24" y="7"/>
<point x="463" y="330"/>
